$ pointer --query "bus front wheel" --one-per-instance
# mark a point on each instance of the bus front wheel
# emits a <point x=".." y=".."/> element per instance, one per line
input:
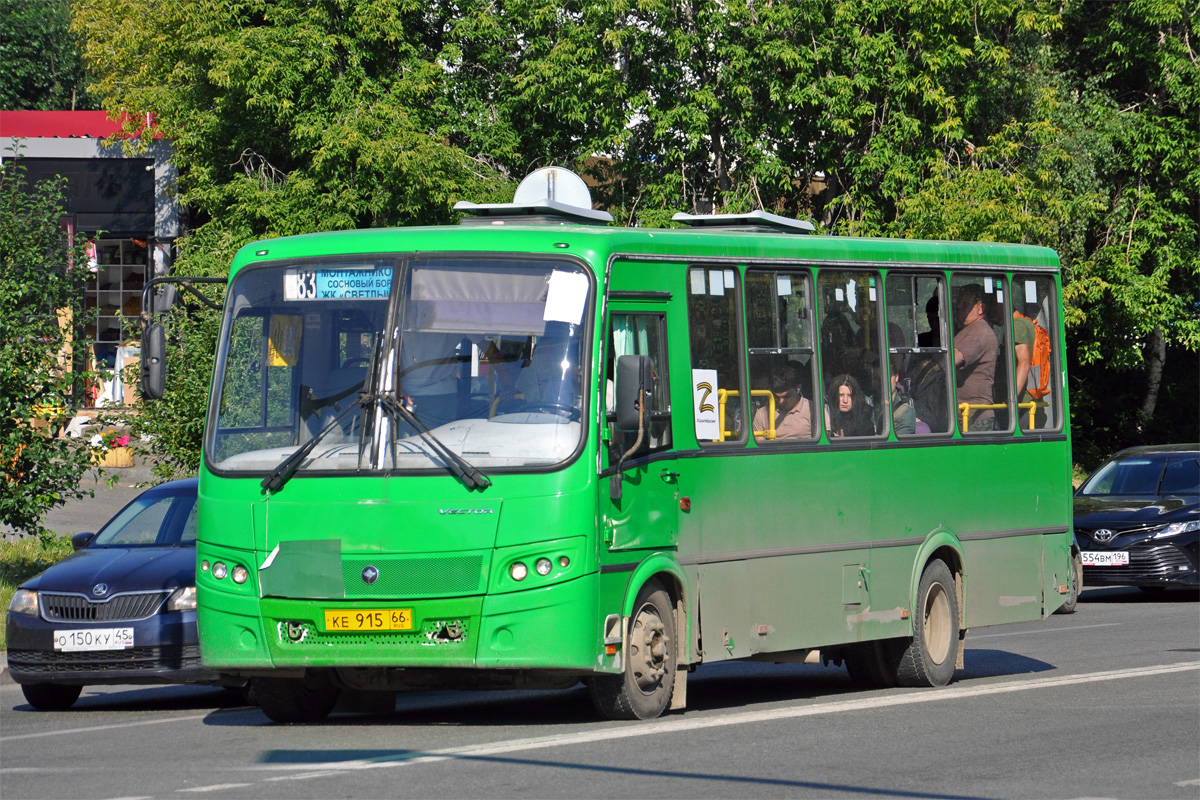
<point x="307" y="699"/>
<point x="644" y="690"/>
<point x="928" y="658"/>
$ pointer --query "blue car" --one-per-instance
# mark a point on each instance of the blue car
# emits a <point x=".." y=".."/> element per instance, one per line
<point x="121" y="609"/>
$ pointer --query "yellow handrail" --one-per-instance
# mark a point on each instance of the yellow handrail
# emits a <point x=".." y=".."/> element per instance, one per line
<point x="722" y="394"/>
<point x="966" y="408"/>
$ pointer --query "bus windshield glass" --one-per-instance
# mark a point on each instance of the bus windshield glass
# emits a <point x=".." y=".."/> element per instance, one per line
<point x="485" y="351"/>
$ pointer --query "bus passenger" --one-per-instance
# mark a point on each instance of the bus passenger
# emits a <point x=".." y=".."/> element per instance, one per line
<point x="904" y="413"/>
<point x="793" y="411"/>
<point x="974" y="356"/>
<point x="851" y="416"/>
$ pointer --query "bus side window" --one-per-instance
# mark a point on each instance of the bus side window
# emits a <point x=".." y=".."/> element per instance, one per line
<point x="781" y="355"/>
<point x="851" y="367"/>
<point x="1035" y="352"/>
<point x="641" y="335"/>
<point x="980" y="353"/>
<point x="718" y="396"/>
<point x="917" y="354"/>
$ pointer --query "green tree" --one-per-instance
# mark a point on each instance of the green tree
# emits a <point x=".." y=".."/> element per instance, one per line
<point x="40" y="64"/>
<point x="39" y="297"/>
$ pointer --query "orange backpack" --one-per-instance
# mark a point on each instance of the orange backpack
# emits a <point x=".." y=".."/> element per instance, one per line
<point x="1040" y="357"/>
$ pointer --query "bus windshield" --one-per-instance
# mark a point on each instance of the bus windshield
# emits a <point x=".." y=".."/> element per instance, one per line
<point x="486" y="352"/>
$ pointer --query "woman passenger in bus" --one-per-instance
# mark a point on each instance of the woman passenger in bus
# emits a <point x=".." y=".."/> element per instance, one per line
<point x="847" y="413"/>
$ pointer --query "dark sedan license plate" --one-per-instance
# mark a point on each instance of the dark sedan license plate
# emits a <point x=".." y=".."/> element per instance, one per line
<point x="379" y="619"/>
<point x="93" y="639"/>
<point x="1115" y="558"/>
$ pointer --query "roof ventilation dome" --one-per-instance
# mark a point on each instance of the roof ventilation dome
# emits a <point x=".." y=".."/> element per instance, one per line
<point x="550" y="195"/>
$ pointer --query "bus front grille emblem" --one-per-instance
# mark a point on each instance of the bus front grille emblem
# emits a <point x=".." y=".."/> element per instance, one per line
<point x="370" y="575"/>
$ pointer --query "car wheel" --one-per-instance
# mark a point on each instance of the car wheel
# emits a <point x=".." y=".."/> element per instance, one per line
<point x="307" y="699"/>
<point x="928" y="659"/>
<point x="51" y="696"/>
<point x="644" y="690"/>
<point x="1076" y="585"/>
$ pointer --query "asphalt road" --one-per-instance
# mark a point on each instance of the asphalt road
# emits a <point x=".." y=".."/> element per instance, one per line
<point x="1104" y="703"/>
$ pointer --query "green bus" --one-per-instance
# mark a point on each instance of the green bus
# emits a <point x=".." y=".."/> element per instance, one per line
<point x="536" y="449"/>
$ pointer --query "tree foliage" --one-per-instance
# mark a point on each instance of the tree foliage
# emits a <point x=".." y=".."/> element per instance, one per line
<point x="40" y="65"/>
<point x="40" y="299"/>
<point x="1071" y="125"/>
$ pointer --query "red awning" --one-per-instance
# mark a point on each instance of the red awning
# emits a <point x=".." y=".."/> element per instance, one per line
<point x="58" y="124"/>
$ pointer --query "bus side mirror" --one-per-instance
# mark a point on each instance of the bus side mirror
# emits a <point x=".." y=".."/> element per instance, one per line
<point x="154" y="361"/>
<point x="634" y="376"/>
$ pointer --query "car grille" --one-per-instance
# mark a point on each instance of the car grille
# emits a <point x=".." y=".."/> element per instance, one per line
<point x="78" y="608"/>
<point x="131" y="659"/>
<point x="1146" y="563"/>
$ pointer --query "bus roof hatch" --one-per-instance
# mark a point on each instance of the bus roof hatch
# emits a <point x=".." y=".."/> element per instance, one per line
<point x="757" y="221"/>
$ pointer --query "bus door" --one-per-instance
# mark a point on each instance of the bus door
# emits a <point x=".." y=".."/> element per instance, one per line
<point x="641" y="498"/>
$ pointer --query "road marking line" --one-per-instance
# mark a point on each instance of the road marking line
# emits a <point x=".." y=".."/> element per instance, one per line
<point x="1192" y="782"/>
<point x="120" y="725"/>
<point x="686" y="725"/>
<point x="971" y="638"/>
<point x="216" y="787"/>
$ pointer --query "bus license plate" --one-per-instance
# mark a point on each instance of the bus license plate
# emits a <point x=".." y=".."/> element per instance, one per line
<point x="376" y="619"/>
<point x="1117" y="558"/>
<point x="93" y="639"/>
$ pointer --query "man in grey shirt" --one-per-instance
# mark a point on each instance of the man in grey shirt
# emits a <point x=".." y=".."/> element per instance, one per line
<point x="974" y="357"/>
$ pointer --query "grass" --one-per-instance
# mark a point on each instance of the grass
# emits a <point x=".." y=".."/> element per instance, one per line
<point x="24" y="558"/>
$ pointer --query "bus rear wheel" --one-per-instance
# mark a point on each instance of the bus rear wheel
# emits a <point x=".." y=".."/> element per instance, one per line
<point x="644" y="690"/>
<point x="872" y="665"/>
<point x="928" y="658"/>
<point x="307" y="699"/>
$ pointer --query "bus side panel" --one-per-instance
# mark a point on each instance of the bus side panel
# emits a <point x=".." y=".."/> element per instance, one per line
<point x="1003" y="581"/>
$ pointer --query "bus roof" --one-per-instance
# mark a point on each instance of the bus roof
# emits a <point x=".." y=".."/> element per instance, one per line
<point x="597" y="244"/>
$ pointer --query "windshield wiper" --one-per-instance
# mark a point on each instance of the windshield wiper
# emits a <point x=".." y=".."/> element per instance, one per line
<point x="462" y="469"/>
<point x="283" y="473"/>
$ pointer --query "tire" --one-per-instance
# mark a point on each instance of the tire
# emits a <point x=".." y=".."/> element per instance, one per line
<point x="928" y="658"/>
<point x="872" y="665"/>
<point x="307" y="699"/>
<point x="1076" y="585"/>
<point x="644" y="690"/>
<point x="51" y="696"/>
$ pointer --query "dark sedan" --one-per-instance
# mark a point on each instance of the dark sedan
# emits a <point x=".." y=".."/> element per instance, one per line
<point x="121" y="609"/>
<point x="1137" y="519"/>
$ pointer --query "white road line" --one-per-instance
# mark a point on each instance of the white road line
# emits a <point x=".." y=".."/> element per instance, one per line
<point x="216" y="787"/>
<point x="1192" y="782"/>
<point x="682" y="725"/>
<point x="973" y="637"/>
<point x="121" y="725"/>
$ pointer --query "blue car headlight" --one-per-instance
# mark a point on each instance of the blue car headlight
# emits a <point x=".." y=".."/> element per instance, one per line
<point x="182" y="599"/>
<point x="1176" y="528"/>
<point x="24" y="601"/>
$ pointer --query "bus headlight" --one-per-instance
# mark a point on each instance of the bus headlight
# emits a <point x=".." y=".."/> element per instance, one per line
<point x="518" y="571"/>
<point x="240" y="574"/>
<point x="543" y="566"/>
<point x="220" y="570"/>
